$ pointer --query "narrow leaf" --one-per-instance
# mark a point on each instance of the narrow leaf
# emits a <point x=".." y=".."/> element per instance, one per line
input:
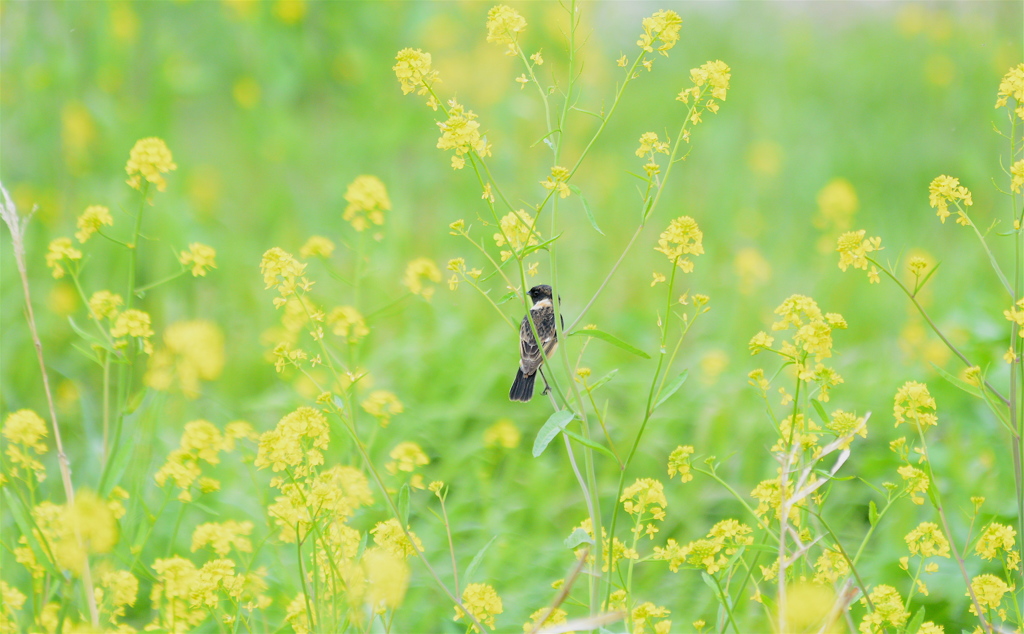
<point x="818" y="407"/>
<point x="537" y="247"/>
<point x="589" y="443"/>
<point x="915" y="623"/>
<point x="475" y="563"/>
<point x="586" y="208"/>
<point x="872" y="513"/>
<point x="672" y="388"/>
<point x="555" y="423"/>
<point x="90" y="338"/>
<point x="604" y="379"/>
<point x="612" y="339"/>
<point x="504" y="298"/>
<point x="577" y="537"/>
<point x="963" y="385"/>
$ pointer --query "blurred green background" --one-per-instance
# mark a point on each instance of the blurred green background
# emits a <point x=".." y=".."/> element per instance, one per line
<point x="272" y="108"/>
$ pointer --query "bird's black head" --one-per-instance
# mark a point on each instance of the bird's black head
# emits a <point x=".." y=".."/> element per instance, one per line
<point x="539" y="292"/>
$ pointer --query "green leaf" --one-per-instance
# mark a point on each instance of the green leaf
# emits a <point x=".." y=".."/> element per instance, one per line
<point x="90" y="338"/>
<point x="555" y="424"/>
<point x="589" y="443"/>
<point x="586" y="208"/>
<point x="818" y="407"/>
<point x="504" y="298"/>
<point x="924" y="279"/>
<point x="872" y="513"/>
<point x="915" y="623"/>
<point x="577" y="537"/>
<point x="473" y="565"/>
<point x="537" y="247"/>
<point x="612" y="339"/>
<point x="604" y="379"/>
<point x="672" y="388"/>
<point x="403" y="505"/>
<point x="26" y="525"/>
<point x="963" y="385"/>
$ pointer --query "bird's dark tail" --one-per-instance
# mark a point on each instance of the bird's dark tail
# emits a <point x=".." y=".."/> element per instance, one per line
<point x="522" y="387"/>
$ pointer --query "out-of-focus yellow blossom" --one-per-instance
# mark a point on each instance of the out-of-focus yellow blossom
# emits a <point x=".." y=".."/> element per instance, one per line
<point x="91" y="220"/>
<point x="406" y="456"/>
<point x="914" y="405"/>
<point x="11" y="601"/>
<point x="917" y="482"/>
<point x="649" y="144"/>
<point x="663" y="26"/>
<point x="382" y="405"/>
<point x="104" y="304"/>
<point x="830" y="566"/>
<point x="86" y="527"/>
<point x="515" y="232"/>
<point x="927" y="541"/>
<point x="682" y="237"/>
<point x="414" y="71"/>
<point x="847" y="424"/>
<point x="176" y="578"/>
<point x="367" y="200"/>
<point x="556" y="181"/>
<point x="193" y="351"/>
<point x="917" y="265"/>
<point x="387" y="579"/>
<point x="290" y="11"/>
<point x="417" y="275"/>
<point x="503" y="433"/>
<point x="679" y="462"/>
<point x="59" y="251"/>
<point x="504" y="24"/>
<point x="658" y="278"/>
<point x="200" y="257"/>
<point x="556" y="616"/>
<point x="888" y="610"/>
<point x="643" y="616"/>
<point x="148" y="160"/>
<point x="752" y="269"/>
<point x="1017" y="176"/>
<point x="808" y="605"/>
<point x="132" y="323"/>
<point x="461" y="132"/>
<point x="837" y="204"/>
<point x="854" y="248"/>
<point x="989" y="590"/>
<point x="482" y="601"/>
<point x="223" y="536"/>
<point x="760" y="341"/>
<point x="389" y="536"/>
<point x="121" y="588"/>
<point x="282" y="270"/>
<point x="1012" y="85"/>
<point x="944" y="190"/>
<point x="317" y="246"/>
<point x="25" y="431"/>
<point x="347" y="322"/>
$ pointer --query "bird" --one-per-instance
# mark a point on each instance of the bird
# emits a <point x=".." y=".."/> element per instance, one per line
<point x="530" y="357"/>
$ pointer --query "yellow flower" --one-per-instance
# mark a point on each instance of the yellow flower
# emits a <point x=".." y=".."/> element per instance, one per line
<point x="829" y="566"/>
<point x="504" y="25"/>
<point x="200" y="257"/>
<point x="222" y="537"/>
<point x="662" y="26"/>
<point x="989" y="590"/>
<point x="847" y="424"/>
<point x="1012" y="85"/>
<point x="646" y="495"/>
<point x="419" y="271"/>
<point x="123" y="589"/>
<point x="917" y="265"/>
<point x="60" y="250"/>
<point x="557" y="181"/>
<point x="760" y="341"/>
<point x="914" y="405"/>
<point x="994" y="538"/>
<point x="148" y="159"/>
<point x="133" y="323"/>
<point x="503" y="433"/>
<point x="515" y="232"/>
<point x="837" y="204"/>
<point x="91" y="220"/>
<point x="25" y="431"/>
<point x="683" y="236"/>
<point x="944" y="190"/>
<point x="176" y="578"/>
<point x="414" y="72"/>
<point x="298" y="439"/>
<point x="347" y="322"/>
<point x="482" y="601"/>
<point x="714" y="76"/>
<point x="888" y="610"/>
<point x="927" y="541"/>
<point x="282" y="270"/>
<point x="556" y="616"/>
<point x="679" y="462"/>
<point x="917" y="481"/>
<point x="104" y="304"/>
<point x="367" y="201"/>
<point x="406" y="456"/>
<point x="853" y="249"/>
<point x="461" y="132"/>
<point x="649" y="144"/>
<point x="193" y="351"/>
<point x="382" y="405"/>
<point x="387" y="579"/>
<point x="12" y="601"/>
<point x="1016" y="315"/>
<point x="318" y="246"/>
<point x="658" y="278"/>
<point x="389" y="536"/>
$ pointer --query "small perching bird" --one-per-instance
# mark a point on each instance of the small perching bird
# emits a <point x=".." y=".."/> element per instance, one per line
<point x="530" y="357"/>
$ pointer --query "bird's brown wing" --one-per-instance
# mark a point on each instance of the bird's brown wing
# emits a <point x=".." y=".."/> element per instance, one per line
<point x="530" y="356"/>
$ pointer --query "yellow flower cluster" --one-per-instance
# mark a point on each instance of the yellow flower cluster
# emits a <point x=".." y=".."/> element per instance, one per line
<point x="649" y="147"/>
<point x="184" y="596"/>
<point x="91" y="220"/>
<point x="296" y="443"/>
<point x="504" y="24"/>
<point x="382" y="405"/>
<point x="927" y="540"/>
<point x="679" y="462"/>
<point x="683" y="237"/>
<point x="59" y="251"/>
<point x="316" y="246"/>
<point x="516" y="233"/>
<point x="711" y="76"/>
<point x="989" y="590"/>
<point x="347" y="322"/>
<point x="844" y="424"/>
<point x="830" y="566"/>
<point x="390" y="536"/>
<point x="458" y="265"/>
<point x="1017" y="176"/>
<point x="944" y="190"/>
<point x="280" y="269"/>
<point x="222" y="537"/>
<point x="1016" y="315"/>
<point x="415" y="73"/>
<point x="407" y="457"/>
<point x="557" y="182"/>
<point x="25" y="431"/>
<point x="710" y="553"/>
<point x="853" y="250"/>
<point x="193" y="351"/>
<point x="914" y="405"/>
<point x="482" y="601"/>
<point x="556" y="616"/>
<point x="367" y="200"/>
<point x="888" y="610"/>
<point x="200" y="257"/>
<point x="612" y="551"/>
<point x="148" y="160"/>
<point x="1012" y="85"/>
<point x="418" y="275"/>
<point x="998" y="537"/>
<point x="104" y="304"/>
<point x="916" y="482"/>
<point x="503" y="433"/>
<point x="72" y="532"/>
<point x="201" y="440"/>
<point x="662" y="27"/>
<point x="645" y="499"/>
<point x="132" y="323"/>
<point x="461" y="132"/>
